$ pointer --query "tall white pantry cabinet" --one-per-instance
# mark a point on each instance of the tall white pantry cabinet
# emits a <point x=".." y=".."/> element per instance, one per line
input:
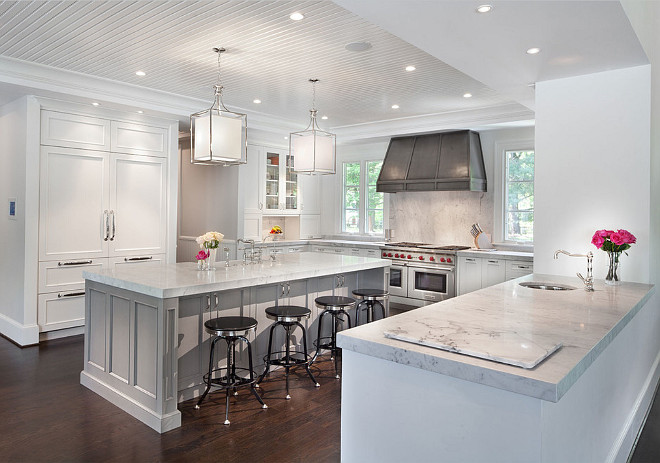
<point x="104" y="201"/>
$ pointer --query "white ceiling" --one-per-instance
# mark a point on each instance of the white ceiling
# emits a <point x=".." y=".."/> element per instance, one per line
<point x="271" y="57"/>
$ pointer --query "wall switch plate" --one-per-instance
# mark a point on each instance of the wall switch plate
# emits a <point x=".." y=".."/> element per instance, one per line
<point x="12" y="208"/>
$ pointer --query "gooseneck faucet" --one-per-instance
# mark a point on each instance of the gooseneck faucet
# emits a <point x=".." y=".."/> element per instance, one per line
<point x="251" y="243"/>
<point x="589" y="280"/>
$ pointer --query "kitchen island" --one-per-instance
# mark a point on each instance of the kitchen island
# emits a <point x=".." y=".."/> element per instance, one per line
<point x="583" y="403"/>
<point x="145" y="345"/>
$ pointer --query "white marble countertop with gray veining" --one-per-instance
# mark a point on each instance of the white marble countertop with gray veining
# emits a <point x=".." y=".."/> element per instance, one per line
<point x="583" y="322"/>
<point x="175" y="280"/>
<point x="506" y="255"/>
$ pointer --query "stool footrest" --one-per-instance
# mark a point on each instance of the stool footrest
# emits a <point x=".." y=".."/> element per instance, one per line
<point x="283" y="361"/>
<point x="230" y="381"/>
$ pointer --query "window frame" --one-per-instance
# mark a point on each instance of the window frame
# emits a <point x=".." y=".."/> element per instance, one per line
<point x="499" y="208"/>
<point x="362" y="204"/>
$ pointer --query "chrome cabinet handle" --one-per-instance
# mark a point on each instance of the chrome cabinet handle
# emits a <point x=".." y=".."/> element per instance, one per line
<point x="112" y="238"/>
<point x="288" y="289"/>
<point x="133" y="259"/>
<point x="106" y="235"/>
<point x="282" y="285"/>
<point x="261" y="205"/>
<point x="208" y="302"/>
<point x="74" y="262"/>
<point x="74" y="294"/>
<point x="217" y="301"/>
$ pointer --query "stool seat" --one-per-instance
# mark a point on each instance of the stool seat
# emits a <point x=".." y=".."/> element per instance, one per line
<point x="334" y="302"/>
<point x="371" y="294"/>
<point x="287" y="313"/>
<point x="229" y="326"/>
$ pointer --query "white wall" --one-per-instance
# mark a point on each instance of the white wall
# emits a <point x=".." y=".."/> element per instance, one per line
<point x="592" y="168"/>
<point x="12" y="185"/>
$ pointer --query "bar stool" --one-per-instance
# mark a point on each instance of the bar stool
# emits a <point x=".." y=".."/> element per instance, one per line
<point x="369" y="299"/>
<point x="335" y="306"/>
<point x="231" y="329"/>
<point x="287" y="316"/>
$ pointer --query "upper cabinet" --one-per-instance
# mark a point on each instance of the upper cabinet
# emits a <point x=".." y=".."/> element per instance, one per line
<point x="131" y="138"/>
<point x="281" y="187"/>
<point x="74" y="131"/>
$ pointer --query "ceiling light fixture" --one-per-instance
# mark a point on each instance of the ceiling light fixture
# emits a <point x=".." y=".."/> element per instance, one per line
<point x="96" y="104"/>
<point x="256" y="101"/>
<point x="395" y="106"/>
<point x="410" y="68"/>
<point x="218" y="136"/>
<point x="325" y="118"/>
<point x="358" y="46"/>
<point x="140" y="111"/>
<point x="484" y="8"/>
<point x="140" y="73"/>
<point x="467" y="95"/>
<point x="533" y="51"/>
<point x="296" y="16"/>
<point x="313" y="151"/>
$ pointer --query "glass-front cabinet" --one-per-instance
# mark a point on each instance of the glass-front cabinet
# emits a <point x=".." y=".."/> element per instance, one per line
<point x="281" y="184"/>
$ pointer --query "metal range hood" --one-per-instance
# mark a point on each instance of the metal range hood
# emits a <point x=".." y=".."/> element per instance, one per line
<point x="445" y="161"/>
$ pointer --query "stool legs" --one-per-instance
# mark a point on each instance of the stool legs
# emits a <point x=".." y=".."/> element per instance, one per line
<point x="370" y="310"/>
<point x="332" y="345"/>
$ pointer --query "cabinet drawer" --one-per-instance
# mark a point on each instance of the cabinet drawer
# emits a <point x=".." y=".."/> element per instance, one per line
<point x="515" y="269"/>
<point x="74" y="131"/>
<point x="66" y="275"/>
<point x="355" y="251"/>
<point x="56" y="311"/>
<point x="146" y="259"/>
<point x="372" y="253"/>
<point x="295" y="249"/>
<point x="133" y="138"/>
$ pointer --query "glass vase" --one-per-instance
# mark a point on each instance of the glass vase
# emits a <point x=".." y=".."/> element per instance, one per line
<point x="614" y="270"/>
<point x="210" y="261"/>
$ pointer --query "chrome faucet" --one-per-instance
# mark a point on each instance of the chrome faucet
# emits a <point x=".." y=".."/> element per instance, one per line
<point x="251" y="243"/>
<point x="272" y="254"/>
<point x="589" y="280"/>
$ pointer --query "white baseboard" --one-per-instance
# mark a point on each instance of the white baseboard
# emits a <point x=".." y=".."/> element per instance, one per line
<point x="23" y="335"/>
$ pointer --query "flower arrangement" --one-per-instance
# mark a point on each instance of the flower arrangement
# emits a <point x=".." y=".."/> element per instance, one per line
<point x="210" y="240"/>
<point x="201" y="255"/>
<point x="613" y="241"/>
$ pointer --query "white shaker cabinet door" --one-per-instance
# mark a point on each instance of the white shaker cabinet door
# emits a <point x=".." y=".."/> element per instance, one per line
<point x="131" y="138"/>
<point x="73" y="204"/>
<point x="74" y="131"/>
<point x="138" y="214"/>
<point x="310" y="194"/>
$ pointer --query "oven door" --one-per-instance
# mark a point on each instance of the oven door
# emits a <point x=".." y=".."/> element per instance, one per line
<point x="431" y="284"/>
<point x="398" y="280"/>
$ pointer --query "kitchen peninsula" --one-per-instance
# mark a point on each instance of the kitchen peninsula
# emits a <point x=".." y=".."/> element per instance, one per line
<point x="584" y="403"/>
<point x="145" y="346"/>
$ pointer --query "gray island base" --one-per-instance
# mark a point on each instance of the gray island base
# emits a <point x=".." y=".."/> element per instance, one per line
<point x="584" y="403"/>
<point x="145" y="345"/>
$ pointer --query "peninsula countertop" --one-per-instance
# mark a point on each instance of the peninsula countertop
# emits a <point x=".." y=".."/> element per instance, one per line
<point x="175" y="280"/>
<point x="584" y="322"/>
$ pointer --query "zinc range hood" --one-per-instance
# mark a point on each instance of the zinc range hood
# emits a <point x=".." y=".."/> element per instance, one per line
<point x="446" y="161"/>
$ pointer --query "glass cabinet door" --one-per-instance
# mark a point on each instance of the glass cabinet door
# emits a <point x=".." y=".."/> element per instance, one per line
<point x="291" y="201"/>
<point x="272" y="181"/>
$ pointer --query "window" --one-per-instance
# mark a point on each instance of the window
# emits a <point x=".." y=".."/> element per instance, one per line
<point x="519" y="196"/>
<point x="362" y="205"/>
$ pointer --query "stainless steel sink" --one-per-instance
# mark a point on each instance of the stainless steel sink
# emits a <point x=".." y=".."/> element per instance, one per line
<point x="546" y="286"/>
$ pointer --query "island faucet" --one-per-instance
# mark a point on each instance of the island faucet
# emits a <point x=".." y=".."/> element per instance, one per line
<point x="251" y="243"/>
<point x="589" y="280"/>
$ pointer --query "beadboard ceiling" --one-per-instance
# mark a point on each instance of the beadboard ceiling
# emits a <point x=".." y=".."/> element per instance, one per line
<point x="271" y="57"/>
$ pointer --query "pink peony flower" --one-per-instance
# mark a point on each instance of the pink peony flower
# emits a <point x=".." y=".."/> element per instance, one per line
<point x="201" y="255"/>
<point x="627" y="236"/>
<point x="617" y="238"/>
<point x="598" y="240"/>
<point x="605" y="233"/>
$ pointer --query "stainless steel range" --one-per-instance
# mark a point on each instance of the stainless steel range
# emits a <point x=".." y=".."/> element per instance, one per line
<point x="421" y="274"/>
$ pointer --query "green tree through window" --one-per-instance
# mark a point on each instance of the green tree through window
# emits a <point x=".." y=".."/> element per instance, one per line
<point x="362" y="207"/>
<point x="519" y="196"/>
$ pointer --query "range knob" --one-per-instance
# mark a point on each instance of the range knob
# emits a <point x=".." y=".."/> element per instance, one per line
<point x="442" y="259"/>
<point x="432" y="259"/>
<point x="449" y="259"/>
<point x="396" y="255"/>
<point x="389" y="254"/>
<point x="421" y="257"/>
<point x="409" y="256"/>
<point x="384" y="254"/>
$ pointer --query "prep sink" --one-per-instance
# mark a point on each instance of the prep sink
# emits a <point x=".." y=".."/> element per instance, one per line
<point x="546" y="286"/>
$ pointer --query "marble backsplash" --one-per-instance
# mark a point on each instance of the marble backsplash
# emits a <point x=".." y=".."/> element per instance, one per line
<point x="440" y="217"/>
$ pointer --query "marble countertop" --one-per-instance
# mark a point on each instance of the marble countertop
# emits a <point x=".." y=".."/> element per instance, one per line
<point x="175" y="280"/>
<point x="583" y="322"/>
<point x="506" y="255"/>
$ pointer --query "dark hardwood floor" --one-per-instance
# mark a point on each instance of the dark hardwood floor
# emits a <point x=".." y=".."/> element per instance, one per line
<point x="48" y="416"/>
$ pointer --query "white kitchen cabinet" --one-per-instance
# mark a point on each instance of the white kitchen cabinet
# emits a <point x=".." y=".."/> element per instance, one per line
<point x="492" y="271"/>
<point x="66" y="275"/>
<point x="252" y="225"/>
<point x="131" y="138"/>
<point x="469" y="274"/>
<point x="133" y="261"/>
<point x="252" y="178"/>
<point x="310" y="226"/>
<point x="74" y="131"/>
<point x="63" y="309"/>
<point x="371" y="253"/>
<point x="310" y="194"/>
<point x="281" y="185"/>
<point x="518" y="268"/>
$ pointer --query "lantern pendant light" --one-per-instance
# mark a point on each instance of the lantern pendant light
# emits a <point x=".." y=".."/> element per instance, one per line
<point x="218" y="136"/>
<point x="313" y="151"/>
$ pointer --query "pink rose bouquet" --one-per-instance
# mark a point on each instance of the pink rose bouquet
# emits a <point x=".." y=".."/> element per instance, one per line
<point x="201" y="255"/>
<point x="614" y="241"/>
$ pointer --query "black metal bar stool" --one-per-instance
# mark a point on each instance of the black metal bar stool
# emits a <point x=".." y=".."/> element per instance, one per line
<point x="369" y="298"/>
<point x="287" y="316"/>
<point x="335" y="306"/>
<point x="231" y="329"/>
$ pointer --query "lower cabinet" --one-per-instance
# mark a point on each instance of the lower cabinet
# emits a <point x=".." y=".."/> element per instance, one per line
<point x="480" y="272"/>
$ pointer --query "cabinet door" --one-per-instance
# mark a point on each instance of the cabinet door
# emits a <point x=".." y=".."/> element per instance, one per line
<point x="310" y="198"/>
<point x="73" y="204"/>
<point x="74" y="131"/>
<point x="56" y="311"/>
<point x="131" y="138"/>
<point x="310" y="226"/>
<point x="272" y="201"/>
<point x="469" y="274"/>
<point x="291" y="199"/>
<point x="281" y="190"/>
<point x="492" y="272"/>
<point x="137" y="203"/>
<point x="251" y="179"/>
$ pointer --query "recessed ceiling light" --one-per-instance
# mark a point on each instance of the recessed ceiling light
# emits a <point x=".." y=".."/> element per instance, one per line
<point x="467" y="95"/>
<point x="324" y="118"/>
<point x="296" y="16"/>
<point x="395" y="106"/>
<point x="533" y="51"/>
<point x="358" y="46"/>
<point x="484" y="8"/>
<point x="256" y="101"/>
<point x="140" y="111"/>
<point x="286" y="138"/>
<point x="96" y="104"/>
<point x="140" y="73"/>
<point x="410" y="68"/>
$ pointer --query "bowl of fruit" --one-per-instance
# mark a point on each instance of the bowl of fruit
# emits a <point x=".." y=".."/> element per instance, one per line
<point x="276" y="232"/>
